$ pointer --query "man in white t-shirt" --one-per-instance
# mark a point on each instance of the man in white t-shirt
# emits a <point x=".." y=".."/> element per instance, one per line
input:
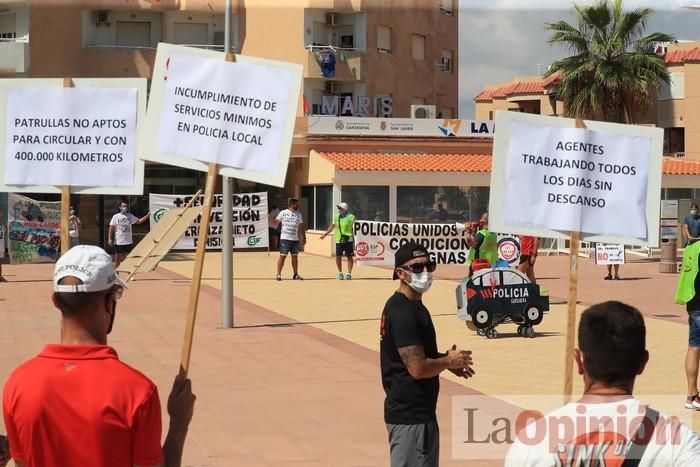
<point x="120" y="234"/>
<point x="607" y="426"/>
<point x="74" y="226"/>
<point x="292" y="230"/>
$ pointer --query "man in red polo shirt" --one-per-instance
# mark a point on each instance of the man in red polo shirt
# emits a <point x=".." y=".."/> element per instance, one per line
<point x="76" y="404"/>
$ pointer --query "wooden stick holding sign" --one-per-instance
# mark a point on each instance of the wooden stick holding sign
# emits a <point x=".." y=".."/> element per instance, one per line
<point x="65" y="199"/>
<point x="571" y="307"/>
<point x="199" y="260"/>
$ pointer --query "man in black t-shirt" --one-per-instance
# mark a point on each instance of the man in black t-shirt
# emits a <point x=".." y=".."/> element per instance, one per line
<point x="411" y="363"/>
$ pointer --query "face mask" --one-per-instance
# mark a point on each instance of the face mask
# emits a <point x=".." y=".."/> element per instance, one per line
<point x="72" y="213"/>
<point x="421" y="282"/>
<point x="125" y="210"/>
<point x="694" y="212"/>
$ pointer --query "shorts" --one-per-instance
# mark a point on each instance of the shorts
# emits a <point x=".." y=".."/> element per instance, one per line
<point x="273" y="232"/>
<point x="345" y="249"/>
<point x="525" y="259"/>
<point x="289" y="246"/>
<point x="414" y="445"/>
<point x="123" y="249"/>
<point x="694" y="329"/>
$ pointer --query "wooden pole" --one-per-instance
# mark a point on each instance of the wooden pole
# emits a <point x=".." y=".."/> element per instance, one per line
<point x="571" y="307"/>
<point x="156" y="241"/>
<point x="65" y="199"/>
<point x="198" y="267"/>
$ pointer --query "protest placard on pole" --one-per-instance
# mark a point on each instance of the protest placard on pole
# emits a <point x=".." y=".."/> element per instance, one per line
<point x="593" y="181"/>
<point x="228" y="115"/>
<point x="609" y="253"/>
<point x="34" y="229"/>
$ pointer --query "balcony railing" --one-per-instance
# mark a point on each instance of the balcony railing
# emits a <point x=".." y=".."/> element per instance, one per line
<point x="679" y="155"/>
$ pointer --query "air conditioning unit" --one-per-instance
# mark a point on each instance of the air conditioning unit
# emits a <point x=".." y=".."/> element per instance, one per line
<point x="422" y="111"/>
<point x="103" y="18"/>
<point x="446" y="64"/>
<point x="332" y="87"/>
<point x="331" y="19"/>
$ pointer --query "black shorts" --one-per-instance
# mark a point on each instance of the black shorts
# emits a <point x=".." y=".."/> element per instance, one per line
<point x="525" y="259"/>
<point x="273" y="232"/>
<point x="123" y="249"/>
<point x="345" y="249"/>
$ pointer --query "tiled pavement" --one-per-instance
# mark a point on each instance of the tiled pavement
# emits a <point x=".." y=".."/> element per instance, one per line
<point x="297" y="381"/>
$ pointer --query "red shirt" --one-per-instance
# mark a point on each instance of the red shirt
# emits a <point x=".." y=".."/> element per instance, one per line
<point x="527" y="245"/>
<point x="78" y="405"/>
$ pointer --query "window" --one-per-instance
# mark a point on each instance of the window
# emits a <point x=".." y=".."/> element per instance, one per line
<point x="446" y="61"/>
<point x="418" y="46"/>
<point x="134" y="33"/>
<point x="8" y="26"/>
<point x="367" y="202"/>
<point x="191" y="33"/>
<point x="446" y="7"/>
<point x="316" y="205"/>
<point x="673" y="90"/>
<point x="440" y="204"/>
<point x="384" y="39"/>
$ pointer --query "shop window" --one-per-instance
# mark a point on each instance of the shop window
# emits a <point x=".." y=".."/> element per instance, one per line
<point x="440" y="204"/>
<point x="316" y="205"/>
<point x="367" y="202"/>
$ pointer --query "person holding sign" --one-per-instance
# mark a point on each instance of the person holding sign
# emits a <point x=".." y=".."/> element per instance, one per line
<point x="343" y="223"/>
<point x="482" y="244"/>
<point x="292" y="229"/>
<point x="74" y="226"/>
<point x="120" y="234"/>
<point x="411" y="364"/>
<point x="608" y="425"/>
<point x="691" y="225"/>
<point x="688" y="294"/>
<point x="76" y="403"/>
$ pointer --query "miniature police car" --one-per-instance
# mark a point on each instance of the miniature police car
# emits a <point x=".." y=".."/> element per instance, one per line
<point x="492" y="296"/>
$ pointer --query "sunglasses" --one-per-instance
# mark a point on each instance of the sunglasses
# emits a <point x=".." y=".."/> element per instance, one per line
<point x="420" y="267"/>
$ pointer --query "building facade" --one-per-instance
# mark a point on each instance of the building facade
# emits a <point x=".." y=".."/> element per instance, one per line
<point x="384" y="58"/>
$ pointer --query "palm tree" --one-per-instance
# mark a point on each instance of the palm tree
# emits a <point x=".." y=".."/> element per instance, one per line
<point x="612" y="67"/>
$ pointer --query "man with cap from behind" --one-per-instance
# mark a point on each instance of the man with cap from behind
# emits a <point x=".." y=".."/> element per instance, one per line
<point x="411" y="363"/>
<point x="344" y="225"/>
<point x="75" y="403"/>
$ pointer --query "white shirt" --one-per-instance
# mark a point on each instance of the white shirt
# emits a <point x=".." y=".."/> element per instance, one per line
<point x="673" y="443"/>
<point x="73" y="222"/>
<point x="290" y="224"/>
<point x="122" y="228"/>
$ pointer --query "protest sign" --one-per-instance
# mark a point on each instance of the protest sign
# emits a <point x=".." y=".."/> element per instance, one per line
<point x="606" y="253"/>
<point x="549" y="179"/>
<point x="239" y="115"/>
<point x="34" y="229"/>
<point x="250" y="227"/>
<point x="84" y="137"/>
<point x="70" y="136"/>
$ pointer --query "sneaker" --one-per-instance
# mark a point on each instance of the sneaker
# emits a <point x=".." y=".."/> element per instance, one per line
<point x="608" y="277"/>
<point x="297" y="277"/>
<point x="340" y="276"/>
<point x="348" y="276"/>
<point x="278" y="277"/>
<point x="692" y="402"/>
<point x="617" y="277"/>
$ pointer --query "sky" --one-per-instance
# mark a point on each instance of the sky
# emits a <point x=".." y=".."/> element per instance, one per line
<point x="499" y="40"/>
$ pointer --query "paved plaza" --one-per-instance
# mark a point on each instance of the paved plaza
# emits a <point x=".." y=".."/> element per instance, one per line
<point x="297" y="381"/>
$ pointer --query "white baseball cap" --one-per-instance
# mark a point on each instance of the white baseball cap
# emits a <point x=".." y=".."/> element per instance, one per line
<point x="92" y="265"/>
<point x="343" y="206"/>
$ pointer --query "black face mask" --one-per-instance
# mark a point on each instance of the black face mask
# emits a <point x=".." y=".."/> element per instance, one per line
<point x="114" y="313"/>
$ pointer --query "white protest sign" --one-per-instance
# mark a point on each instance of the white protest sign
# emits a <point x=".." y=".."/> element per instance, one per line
<point x="250" y="226"/>
<point x="549" y="179"/>
<point x="609" y="254"/>
<point x="239" y="115"/>
<point x="85" y="137"/>
<point x="70" y="136"/>
<point x="376" y="242"/>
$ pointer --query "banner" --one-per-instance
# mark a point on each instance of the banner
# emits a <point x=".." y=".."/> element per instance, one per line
<point x="607" y="253"/>
<point x="549" y="179"/>
<point x="250" y="227"/>
<point x="369" y="126"/>
<point x="34" y="229"/>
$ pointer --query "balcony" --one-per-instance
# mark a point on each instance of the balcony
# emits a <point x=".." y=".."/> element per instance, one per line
<point x="14" y="56"/>
<point x="348" y="64"/>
